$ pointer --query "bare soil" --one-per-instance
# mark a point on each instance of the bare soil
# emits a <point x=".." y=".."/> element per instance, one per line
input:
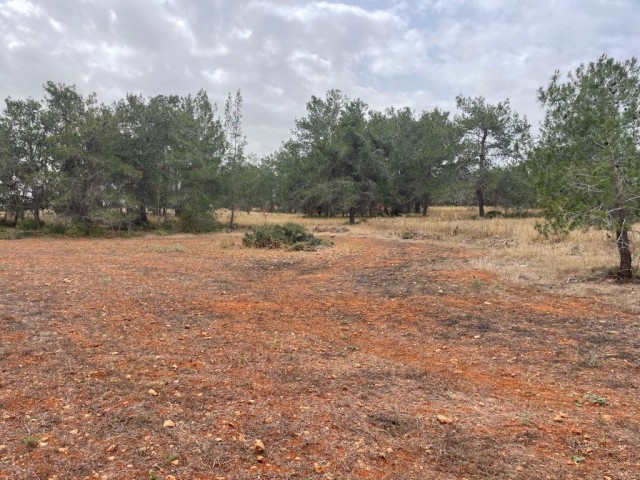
<point x="375" y="358"/>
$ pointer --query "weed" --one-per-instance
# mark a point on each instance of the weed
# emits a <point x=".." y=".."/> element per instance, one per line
<point x="242" y="361"/>
<point x="174" y="247"/>
<point x="105" y="281"/>
<point x="525" y="417"/>
<point x="477" y="284"/>
<point x="592" y="360"/>
<point x="31" y="441"/>
<point x="247" y="383"/>
<point x="408" y="234"/>
<point x="594" y="399"/>
<point x="153" y="476"/>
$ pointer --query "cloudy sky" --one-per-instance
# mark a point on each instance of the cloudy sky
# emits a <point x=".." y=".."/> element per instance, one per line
<point x="417" y="53"/>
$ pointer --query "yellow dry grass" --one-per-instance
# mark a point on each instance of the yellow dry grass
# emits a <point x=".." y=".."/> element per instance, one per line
<point x="509" y="247"/>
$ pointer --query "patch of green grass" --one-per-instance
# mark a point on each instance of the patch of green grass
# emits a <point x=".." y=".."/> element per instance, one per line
<point x="477" y="284"/>
<point x="594" y="399"/>
<point x="174" y="247"/>
<point x="31" y="441"/>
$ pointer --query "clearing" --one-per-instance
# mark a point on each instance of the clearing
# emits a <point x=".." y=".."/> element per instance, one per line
<point x="379" y="358"/>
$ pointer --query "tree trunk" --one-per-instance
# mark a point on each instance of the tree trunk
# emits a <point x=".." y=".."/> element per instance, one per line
<point x="352" y="215"/>
<point x="36" y="216"/>
<point x="480" y="197"/>
<point x="143" y="214"/>
<point x="622" y="242"/>
<point x="416" y="206"/>
<point x="233" y="214"/>
<point x="425" y="205"/>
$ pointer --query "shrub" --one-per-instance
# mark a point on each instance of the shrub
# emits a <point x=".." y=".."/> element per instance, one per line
<point x="291" y="235"/>
<point x="190" y="222"/>
<point x="28" y="224"/>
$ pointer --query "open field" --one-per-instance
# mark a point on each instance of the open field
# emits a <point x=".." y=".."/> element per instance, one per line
<point x="414" y="348"/>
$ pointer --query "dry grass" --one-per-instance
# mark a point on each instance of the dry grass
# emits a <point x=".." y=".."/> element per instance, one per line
<point x="341" y="361"/>
<point x="511" y="247"/>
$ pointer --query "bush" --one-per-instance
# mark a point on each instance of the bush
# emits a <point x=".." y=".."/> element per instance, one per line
<point x="56" y="229"/>
<point x="290" y="235"/>
<point x="190" y="222"/>
<point x="27" y="224"/>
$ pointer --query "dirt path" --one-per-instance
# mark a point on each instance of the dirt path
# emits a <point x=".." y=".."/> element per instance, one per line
<point x="372" y="359"/>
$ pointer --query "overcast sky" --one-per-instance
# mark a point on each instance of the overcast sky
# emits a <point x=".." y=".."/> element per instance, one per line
<point x="417" y="53"/>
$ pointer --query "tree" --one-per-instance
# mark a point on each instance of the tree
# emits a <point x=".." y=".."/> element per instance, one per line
<point x="437" y="144"/>
<point x="82" y="135"/>
<point x="195" y="161"/>
<point x="588" y="158"/>
<point x="491" y="135"/>
<point x="234" y="168"/>
<point x="30" y="183"/>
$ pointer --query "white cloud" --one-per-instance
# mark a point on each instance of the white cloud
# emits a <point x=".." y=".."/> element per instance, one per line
<point x="417" y="53"/>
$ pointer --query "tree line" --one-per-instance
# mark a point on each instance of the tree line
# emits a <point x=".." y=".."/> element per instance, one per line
<point x="101" y="164"/>
<point x="345" y="158"/>
<point x="97" y="164"/>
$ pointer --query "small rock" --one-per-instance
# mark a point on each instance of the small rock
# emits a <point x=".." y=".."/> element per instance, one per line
<point x="576" y="431"/>
<point x="151" y="391"/>
<point x="111" y="448"/>
<point x="175" y="462"/>
<point x="169" y="424"/>
<point x="444" y="419"/>
<point x="169" y="477"/>
<point x="260" y="459"/>
<point x="258" y="446"/>
<point x="558" y="418"/>
<point x="63" y="449"/>
<point x="318" y="468"/>
<point x="607" y="418"/>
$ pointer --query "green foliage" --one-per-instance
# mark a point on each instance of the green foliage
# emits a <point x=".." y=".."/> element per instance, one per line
<point x="276" y="236"/>
<point x="587" y="163"/>
<point x="31" y="441"/>
<point x="197" y="222"/>
<point x="492" y="136"/>
<point x="28" y="224"/>
<point x="594" y="399"/>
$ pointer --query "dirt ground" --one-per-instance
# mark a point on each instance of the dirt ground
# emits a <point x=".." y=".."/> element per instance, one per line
<point x="191" y="357"/>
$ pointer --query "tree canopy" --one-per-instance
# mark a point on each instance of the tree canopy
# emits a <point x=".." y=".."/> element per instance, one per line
<point x="588" y="158"/>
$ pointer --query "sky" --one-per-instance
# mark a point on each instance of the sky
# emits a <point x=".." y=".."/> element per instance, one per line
<point x="278" y="53"/>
